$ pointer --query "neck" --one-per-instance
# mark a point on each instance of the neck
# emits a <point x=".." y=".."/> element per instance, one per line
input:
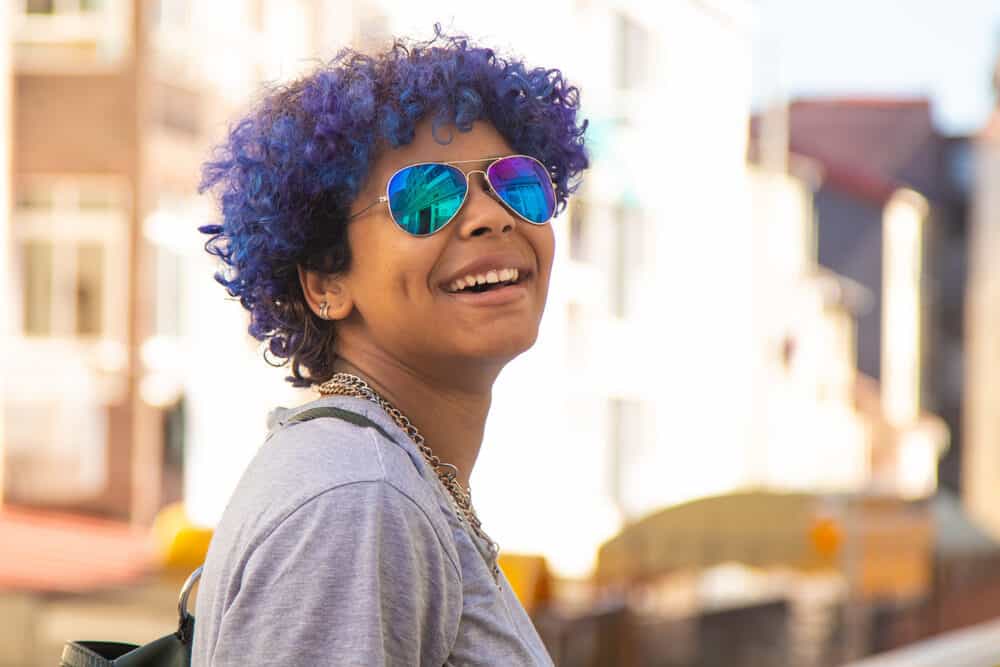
<point x="450" y="416"/>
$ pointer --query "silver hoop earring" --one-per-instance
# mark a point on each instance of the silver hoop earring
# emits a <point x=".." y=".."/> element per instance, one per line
<point x="322" y="309"/>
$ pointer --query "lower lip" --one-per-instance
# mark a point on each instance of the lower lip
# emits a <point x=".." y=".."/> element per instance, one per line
<point x="494" y="297"/>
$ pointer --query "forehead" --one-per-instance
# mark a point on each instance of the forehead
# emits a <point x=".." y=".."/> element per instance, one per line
<point x="481" y="141"/>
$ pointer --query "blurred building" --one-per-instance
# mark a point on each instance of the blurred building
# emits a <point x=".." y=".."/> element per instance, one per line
<point x="692" y="341"/>
<point x="867" y="153"/>
<point x="981" y="464"/>
<point x="126" y="356"/>
<point x="640" y="382"/>
<point x="805" y="388"/>
<point x="228" y="386"/>
<point x="78" y="177"/>
<point x="838" y="446"/>
<point x="6" y="106"/>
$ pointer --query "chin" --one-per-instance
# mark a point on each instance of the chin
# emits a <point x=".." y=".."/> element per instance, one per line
<point x="502" y="348"/>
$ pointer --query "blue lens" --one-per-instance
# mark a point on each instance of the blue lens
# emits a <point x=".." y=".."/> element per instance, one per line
<point x="524" y="184"/>
<point x="425" y="197"/>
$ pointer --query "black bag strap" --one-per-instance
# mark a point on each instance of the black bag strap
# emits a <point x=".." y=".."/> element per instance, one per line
<point x="174" y="650"/>
<point x="93" y="654"/>
<point x="338" y="413"/>
<point x="167" y="651"/>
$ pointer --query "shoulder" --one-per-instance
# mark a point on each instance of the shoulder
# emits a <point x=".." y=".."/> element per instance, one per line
<point x="363" y="558"/>
<point x="324" y="465"/>
<point x="364" y="515"/>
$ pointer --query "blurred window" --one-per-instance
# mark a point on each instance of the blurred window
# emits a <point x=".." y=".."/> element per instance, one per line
<point x="174" y="446"/>
<point x="89" y="288"/>
<point x="34" y="199"/>
<point x="70" y="35"/>
<point x="178" y="109"/>
<point x="580" y="232"/>
<point x="960" y="165"/>
<point x="63" y="288"/>
<point x="169" y="267"/>
<point x="66" y="233"/>
<point x="167" y="230"/>
<point x="616" y="293"/>
<point x="628" y="455"/>
<point x="37" y="259"/>
<point x="576" y="334"/>
<point x="62" y="6"/>
<point x="633" y="53"/>
<point x="40" y="6"/>
<point x="170" y="14"/>
<point x="627" y="260"/>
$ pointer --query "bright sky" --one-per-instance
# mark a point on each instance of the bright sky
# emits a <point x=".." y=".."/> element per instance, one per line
<point x="942" y="49"/>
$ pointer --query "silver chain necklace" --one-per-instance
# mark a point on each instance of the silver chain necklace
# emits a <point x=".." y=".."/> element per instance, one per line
<point x="346" y="384"/>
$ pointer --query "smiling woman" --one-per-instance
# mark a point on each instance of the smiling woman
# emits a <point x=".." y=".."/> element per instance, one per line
<point x="386" y="220"/>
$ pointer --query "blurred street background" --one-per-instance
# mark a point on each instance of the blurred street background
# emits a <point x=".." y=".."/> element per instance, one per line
<point x="759" y="427"/>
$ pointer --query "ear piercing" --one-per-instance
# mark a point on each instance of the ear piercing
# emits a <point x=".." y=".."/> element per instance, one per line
<point x="322" y="310"/>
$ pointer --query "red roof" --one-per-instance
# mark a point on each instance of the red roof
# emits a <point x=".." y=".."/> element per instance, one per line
<point x="869" y="146"/>
<point x="54" y="552"/>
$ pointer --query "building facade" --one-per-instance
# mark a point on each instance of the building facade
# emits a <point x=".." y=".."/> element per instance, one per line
<point x="6" y="105"/>
<point x="869" y="152"/>
<point x="117" y="103"/>
<point x="641" y="376"/>
<point x="665" y="362"/>
<point x="981" y="462"/>
<point x="78" y="199"/>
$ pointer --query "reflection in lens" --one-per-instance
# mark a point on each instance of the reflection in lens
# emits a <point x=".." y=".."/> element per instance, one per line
<point x="524" y="184"/>
<point x="425" y="197"/>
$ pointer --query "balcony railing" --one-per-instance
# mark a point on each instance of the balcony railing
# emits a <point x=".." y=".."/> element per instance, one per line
<point x="978" y="646"/>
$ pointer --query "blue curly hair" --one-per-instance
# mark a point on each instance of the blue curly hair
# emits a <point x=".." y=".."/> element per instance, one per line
<point x="289" y="170"/>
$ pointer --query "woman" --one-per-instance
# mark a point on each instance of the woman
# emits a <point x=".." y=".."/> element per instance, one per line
<point x="385" y="220"/>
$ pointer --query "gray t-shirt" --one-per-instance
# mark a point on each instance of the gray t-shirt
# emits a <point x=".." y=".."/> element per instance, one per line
<point x="339" y="546"/>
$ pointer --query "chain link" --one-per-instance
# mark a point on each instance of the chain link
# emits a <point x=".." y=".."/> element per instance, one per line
<point x="346" y="384"/>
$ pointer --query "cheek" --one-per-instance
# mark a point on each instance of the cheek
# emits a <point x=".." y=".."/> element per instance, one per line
<point x="392" y="265"/>
<point x="371" y="271"/>
<point x="544" y="241"/>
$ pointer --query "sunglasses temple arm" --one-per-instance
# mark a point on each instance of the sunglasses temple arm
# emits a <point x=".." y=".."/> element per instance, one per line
<point x="381" y="200"/>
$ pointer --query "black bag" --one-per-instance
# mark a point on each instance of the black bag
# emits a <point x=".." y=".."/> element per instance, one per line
<point x="174" y="650"/>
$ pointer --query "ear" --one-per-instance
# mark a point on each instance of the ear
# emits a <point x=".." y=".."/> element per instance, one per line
<point x="318" y="287"/>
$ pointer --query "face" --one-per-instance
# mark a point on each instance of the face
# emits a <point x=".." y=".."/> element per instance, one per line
<point x="402" y="288"/>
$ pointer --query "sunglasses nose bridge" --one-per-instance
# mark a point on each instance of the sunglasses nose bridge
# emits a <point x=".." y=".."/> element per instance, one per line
<point x="468" y="176"/>
<point x="486" y="179"/>
<point x="490" y="192"/>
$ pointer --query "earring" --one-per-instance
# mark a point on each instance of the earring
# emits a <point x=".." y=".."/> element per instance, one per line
<point x="322" y="309"/>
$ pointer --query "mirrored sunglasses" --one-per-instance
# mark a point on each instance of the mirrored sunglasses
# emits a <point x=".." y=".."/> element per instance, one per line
<point x="423" y="198"/>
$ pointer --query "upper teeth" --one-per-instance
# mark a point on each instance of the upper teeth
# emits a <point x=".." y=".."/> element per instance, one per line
<point x="493" y="276"/>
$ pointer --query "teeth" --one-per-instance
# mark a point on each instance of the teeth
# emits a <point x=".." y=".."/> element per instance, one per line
<point x="491" y="276"/>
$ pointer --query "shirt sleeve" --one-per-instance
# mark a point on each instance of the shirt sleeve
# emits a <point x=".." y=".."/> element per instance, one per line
<point x="355" y="576"/>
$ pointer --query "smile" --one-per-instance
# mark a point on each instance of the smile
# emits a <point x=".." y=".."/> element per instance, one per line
<point x="485" y="282"/>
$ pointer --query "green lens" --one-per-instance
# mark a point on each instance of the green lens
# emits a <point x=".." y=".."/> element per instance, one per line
<point x="425" y="197"/>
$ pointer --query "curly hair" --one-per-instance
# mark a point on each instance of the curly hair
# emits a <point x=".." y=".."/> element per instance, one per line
<point x="288" y="171"/>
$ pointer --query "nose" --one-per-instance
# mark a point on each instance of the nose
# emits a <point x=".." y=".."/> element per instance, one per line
<point x="482" y="212"/>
